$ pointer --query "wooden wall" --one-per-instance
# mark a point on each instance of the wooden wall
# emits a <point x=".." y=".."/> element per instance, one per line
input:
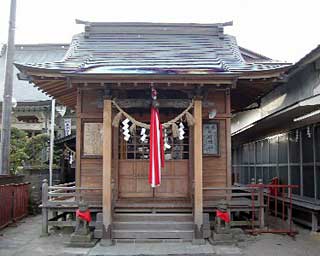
<point x="216" y="169"/>
<point x="89" y="168"/>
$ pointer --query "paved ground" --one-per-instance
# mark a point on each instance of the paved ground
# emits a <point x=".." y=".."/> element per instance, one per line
<point x="24" y="240"/>
<point x="305" y="244"/>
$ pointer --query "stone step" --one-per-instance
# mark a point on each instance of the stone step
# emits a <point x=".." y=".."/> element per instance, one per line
<point x="126" y="217"/>
<point x="153" y="225"/>
<point x="152" y="234"/>
<point x="153" y="240"/>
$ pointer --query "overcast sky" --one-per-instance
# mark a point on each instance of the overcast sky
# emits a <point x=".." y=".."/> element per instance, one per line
<point x="281" y="29"/>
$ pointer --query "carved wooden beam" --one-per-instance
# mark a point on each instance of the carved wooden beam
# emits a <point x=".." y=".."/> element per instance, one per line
<point x="144" y="103"/>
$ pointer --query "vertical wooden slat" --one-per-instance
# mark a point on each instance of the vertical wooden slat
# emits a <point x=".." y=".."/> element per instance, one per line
<point x="107" y="163"/>
<point x="191" y="164"/>
<point x="79" y="138"/>
<point x="228" y="138"/>
<point x="116" y="162"/>
<point x="198" y="197"/>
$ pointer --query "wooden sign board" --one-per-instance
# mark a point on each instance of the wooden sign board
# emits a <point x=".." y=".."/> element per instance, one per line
<point x="210" y="139"/>
<point x="92" y="139"/>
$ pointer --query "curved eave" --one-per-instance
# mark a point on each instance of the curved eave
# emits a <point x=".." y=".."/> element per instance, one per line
<point x="252" y="86"/>
<point x="59" y="73"/>
<point x="59" y="90"/>
<point x="55" y="82"/>
<point x="276" y="72"/>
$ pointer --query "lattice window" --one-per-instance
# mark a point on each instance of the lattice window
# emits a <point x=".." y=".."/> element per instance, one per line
<point x="134" y="148"/>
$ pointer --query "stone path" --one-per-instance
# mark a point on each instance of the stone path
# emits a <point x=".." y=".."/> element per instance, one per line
<point x="23" y="239"/>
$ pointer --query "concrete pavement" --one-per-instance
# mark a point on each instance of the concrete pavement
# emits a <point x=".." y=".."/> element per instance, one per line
<point x="24" y="239"/>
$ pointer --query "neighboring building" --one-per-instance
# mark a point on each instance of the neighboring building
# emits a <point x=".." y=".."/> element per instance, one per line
<point x="112" y="67"/>
<point x="281" y="137"/>
<point x="33" y="110"/>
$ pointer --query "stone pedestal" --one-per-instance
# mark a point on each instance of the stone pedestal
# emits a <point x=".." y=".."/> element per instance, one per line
<point x="227" y="236"/>
<point x="82" y="236"/>
<point x="82" y="240"/>
<point x="98" y="226"/>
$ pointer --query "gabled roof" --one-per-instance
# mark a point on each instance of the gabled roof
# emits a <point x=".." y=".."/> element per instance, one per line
<point x="296" y="97"/>
<point x="308" y="58"/>
<point x="254" y="57"/>
<point x="153" y="48"/>
<point x="29" y="53"/>
<point x="155" y="52"/>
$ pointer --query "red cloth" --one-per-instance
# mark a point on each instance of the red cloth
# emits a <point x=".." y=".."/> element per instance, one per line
<point x="84" y="215"/>
<point x="223" y="215"/>
<point x="273" y="191"/>
<point x="156" y="157"/>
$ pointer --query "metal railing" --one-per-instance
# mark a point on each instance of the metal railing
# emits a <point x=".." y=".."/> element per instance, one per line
<point x="263" y="202"/>
<point x="277" y="196"/>
<point x="239" y="199"/>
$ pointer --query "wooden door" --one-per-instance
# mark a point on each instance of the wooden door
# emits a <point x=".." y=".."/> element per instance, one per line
<point x="133" y="179"/>
<point x="174" y="180"/>
<point x="133" y="169"/>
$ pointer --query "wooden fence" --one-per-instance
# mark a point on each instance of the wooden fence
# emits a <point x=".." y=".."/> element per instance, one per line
<point x="14" y="200"/>
<point x="63" y="199"/>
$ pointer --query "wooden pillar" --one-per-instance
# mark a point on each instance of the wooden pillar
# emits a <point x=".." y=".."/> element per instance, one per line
<point x="106" y="176"/>
<point x="228" y="138"/>
<point x="79" y="138"/>
<point x="198" y="195"/>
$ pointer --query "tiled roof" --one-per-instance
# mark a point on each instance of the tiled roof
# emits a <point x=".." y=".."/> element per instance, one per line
<point x="153" y="48"/>
<point x="22" y="91"/>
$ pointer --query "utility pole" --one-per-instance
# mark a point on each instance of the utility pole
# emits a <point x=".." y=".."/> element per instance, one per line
<point x="7" y="95"/>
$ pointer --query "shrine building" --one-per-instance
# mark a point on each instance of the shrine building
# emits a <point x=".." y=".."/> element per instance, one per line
<point x="201" y="77"/>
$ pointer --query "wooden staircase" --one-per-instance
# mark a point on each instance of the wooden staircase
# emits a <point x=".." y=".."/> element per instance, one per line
<point x="155" y="226"/>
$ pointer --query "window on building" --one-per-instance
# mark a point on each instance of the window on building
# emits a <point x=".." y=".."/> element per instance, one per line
<point x="134" y="148"/>
<point x="245" y="154"/>
<point x="28" y="119"/>
<point x="295" y="178"/>
<point x="265" y="151"/>
<point x="283" y="149"/>
<point x="294" y="146"/>
<point x="259" y="152"/>
<point x="283" y="158"/>
<point x="273" y="150"/>
<point x="307" y="161"/>
<point x="294" y="157"/>
<point x="317" y="160"/>
<point x="294" y="160"/>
